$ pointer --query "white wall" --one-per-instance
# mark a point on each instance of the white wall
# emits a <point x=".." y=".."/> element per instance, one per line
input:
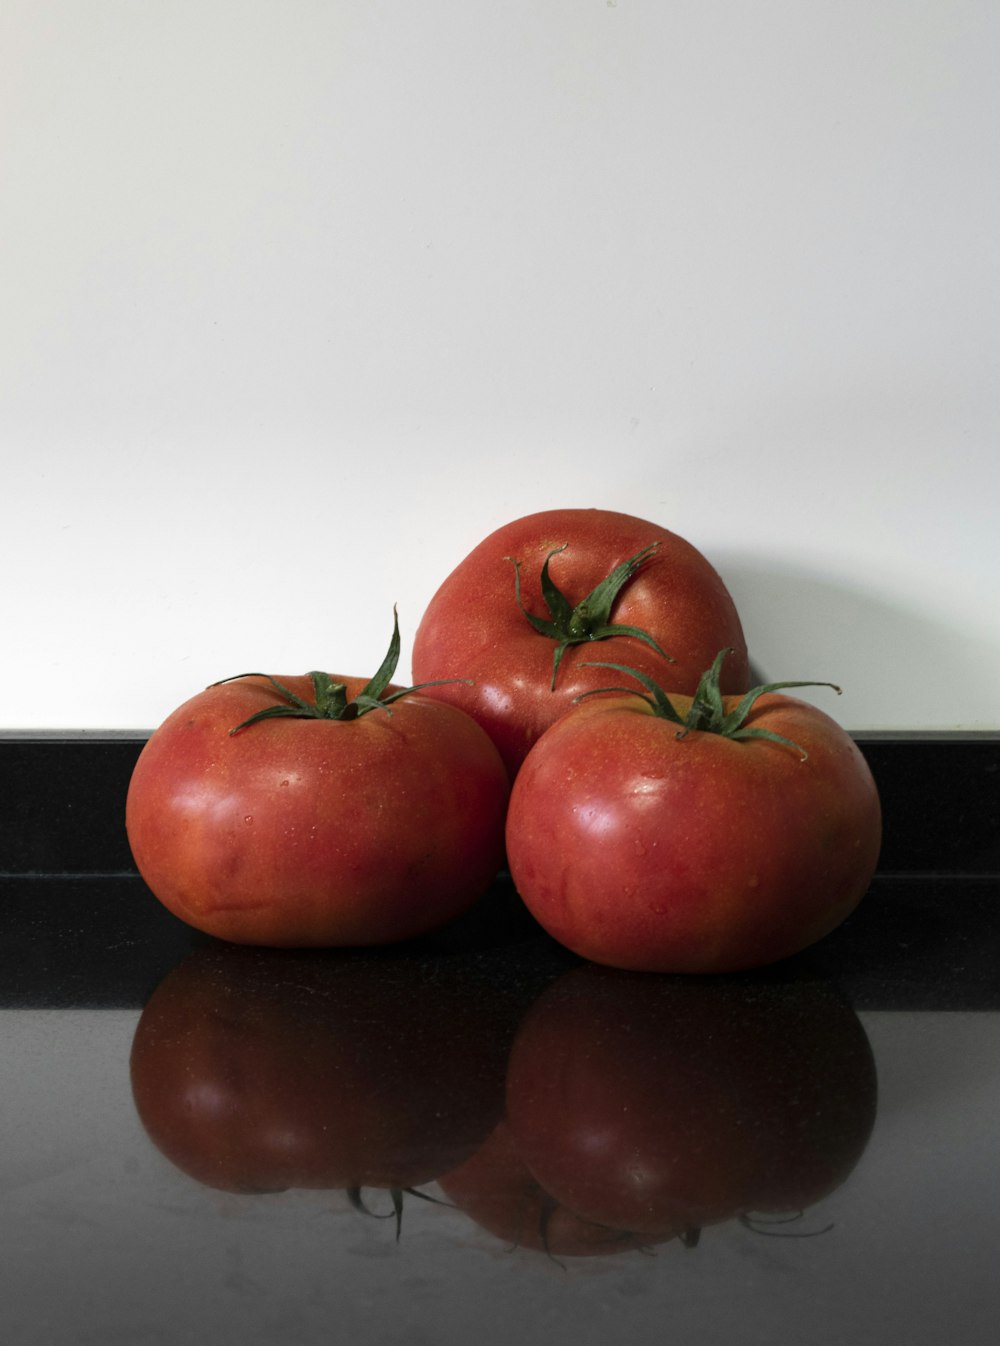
<point x="301" y="298"/>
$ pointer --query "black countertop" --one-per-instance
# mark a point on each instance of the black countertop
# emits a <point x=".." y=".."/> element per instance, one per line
<point x="478" y="1137"/>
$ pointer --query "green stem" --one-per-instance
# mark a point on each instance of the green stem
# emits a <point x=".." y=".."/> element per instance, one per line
<point x="330" y="699"/>
<point x="707" y="713"/>
<point x="590" y="619"/>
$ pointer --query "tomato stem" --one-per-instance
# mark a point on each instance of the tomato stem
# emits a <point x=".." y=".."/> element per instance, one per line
<point x="707" y="713"/>
<point x="330" y="698"/>
<point x="590" y="619"/>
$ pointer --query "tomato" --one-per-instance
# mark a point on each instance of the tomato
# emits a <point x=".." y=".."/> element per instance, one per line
<point x="258" y="1070"/>
<point x="659" y="1105"/>
<point x="520" y="614"/>
<point x="317" y="810"/>
<point x="692" y="834"/>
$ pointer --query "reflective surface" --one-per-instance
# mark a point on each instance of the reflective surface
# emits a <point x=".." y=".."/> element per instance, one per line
<point x="480" y="1138"/>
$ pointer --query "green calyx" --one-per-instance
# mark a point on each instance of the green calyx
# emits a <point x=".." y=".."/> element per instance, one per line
<point x="590" y="619"/>
<point x="331" y="700"/>
<point x="708" y="714"/>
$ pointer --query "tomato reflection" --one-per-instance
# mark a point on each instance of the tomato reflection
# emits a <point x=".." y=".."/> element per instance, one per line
<point x="608" y="1112"/>
<point x="642" y="1108"/>
<point x="498" y="1191"/>
<point x="259" y="1070"/>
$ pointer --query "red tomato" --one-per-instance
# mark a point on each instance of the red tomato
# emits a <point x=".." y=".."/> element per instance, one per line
<point x="476" y="625"/>
<point x="660" y="1105"/>
<point x="366" y="829"/>
<point x="644" y="842"/>
<point x="258" y="1070"/>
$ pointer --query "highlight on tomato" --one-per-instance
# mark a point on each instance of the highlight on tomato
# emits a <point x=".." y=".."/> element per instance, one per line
<point x="262" y="1070"/>
<point x="653" y="1107"/>
<point x="520" y="615"/>
<point x="692" y="834"/>
<point x="318" y="810"/>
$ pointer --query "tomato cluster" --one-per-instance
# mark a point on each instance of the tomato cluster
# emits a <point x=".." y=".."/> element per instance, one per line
<point x="581" y="712"/>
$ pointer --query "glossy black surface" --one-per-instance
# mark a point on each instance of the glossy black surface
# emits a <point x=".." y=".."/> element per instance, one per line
<point x="478" y="1137"/>
<point x="62" y="801"/>
<point x="925" y="943"/>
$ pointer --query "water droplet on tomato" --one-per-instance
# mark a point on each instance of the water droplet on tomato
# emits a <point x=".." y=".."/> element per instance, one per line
<point x="248" y="818"/>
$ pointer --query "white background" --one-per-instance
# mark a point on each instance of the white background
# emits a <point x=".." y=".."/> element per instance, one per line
<point x="299" y="299"/>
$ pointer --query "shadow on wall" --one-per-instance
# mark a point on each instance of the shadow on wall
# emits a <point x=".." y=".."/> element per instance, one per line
<point x="899" y="668"/>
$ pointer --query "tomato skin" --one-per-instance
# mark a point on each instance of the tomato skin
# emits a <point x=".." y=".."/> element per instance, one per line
<point x="642" y="847"/>
<point x="473" y="627"/>
<point x="306" y="832"/>
<point x="658" y="1105"/>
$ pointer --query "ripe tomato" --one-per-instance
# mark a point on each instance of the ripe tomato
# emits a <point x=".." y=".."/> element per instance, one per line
<point x="692" y="834"/>
<point x="258" y="826"/>
<point x="518" y="616"/>
<point x="257" y="1070"/>
<point x="659" y="1105"/>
